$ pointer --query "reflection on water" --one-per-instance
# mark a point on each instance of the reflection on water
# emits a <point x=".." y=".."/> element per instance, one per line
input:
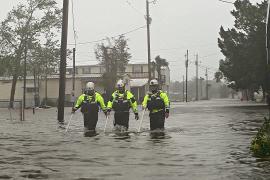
<point x="204" y="142"/>
<point x="90" y="133"/>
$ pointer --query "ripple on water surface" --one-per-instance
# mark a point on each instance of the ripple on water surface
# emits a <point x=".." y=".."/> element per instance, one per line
<point x="203" y="142"/>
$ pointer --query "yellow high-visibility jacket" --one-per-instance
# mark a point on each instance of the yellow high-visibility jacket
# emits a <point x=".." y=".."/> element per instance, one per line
<point x="155" y="101"/>
<point x="98" y="99"/>
<point x="127" y="99"/>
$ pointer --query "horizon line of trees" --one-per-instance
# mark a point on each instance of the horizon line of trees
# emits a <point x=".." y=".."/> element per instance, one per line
<point x="244" y="67"/>
<point x="31" y="32"/>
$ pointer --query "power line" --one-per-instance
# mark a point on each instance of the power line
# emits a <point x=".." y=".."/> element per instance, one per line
<point x="229" y="2"/>
<point x="182" y="48"/>
<point x="135" y="9"/>
<point x="103" y="39"/>
<point x="73" y="21"/>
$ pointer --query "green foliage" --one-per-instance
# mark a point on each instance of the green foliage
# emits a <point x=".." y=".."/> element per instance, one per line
<point x="30" y="30"/>
<point x="218" y="76"/>
<point x="159" y="62"/>
<point x="260" y="145"/>
<point x="114" y="56"/>
<point x="244" y="47"/>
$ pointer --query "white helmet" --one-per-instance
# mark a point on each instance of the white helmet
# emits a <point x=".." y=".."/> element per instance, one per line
<point x="153" y="82"/>
<point x="120" y="84"/>
<point x="90" y="86"/>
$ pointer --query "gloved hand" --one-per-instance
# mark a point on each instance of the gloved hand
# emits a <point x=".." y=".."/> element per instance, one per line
<point x="167" y="113"/>
<point x="136" y="116"/>
<point x="108" y="112"/>
<point x="74" y="110"/>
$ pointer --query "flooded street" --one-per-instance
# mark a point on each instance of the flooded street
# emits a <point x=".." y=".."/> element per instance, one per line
<point x="203" y="140"/>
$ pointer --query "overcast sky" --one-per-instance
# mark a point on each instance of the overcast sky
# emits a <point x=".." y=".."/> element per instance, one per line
<point x="177" y="25"/>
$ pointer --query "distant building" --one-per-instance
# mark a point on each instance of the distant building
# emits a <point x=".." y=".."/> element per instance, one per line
<point x="136" y="76"/>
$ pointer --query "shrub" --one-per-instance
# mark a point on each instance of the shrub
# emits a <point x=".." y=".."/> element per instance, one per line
<point x="260" y="145"/>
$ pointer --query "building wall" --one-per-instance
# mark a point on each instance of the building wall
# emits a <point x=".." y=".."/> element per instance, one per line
<point x="5" y="88"/>
<point x="52" y="90"/>
<point x="138" y="70"/>
<point x="134" y="70"/>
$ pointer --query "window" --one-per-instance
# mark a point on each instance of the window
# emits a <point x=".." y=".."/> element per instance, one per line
<point x="86" y="70"/>
<point x="31" y="89"/>
<point x="102" y="70"/>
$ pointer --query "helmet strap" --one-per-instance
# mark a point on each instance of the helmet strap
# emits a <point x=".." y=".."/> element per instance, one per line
<point x="90" y="92"/>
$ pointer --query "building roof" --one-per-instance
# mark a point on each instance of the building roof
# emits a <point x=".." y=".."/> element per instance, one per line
<point x="55" y="77"/>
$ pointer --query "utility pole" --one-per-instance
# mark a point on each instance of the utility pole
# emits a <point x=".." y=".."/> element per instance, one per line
<point x="148" y="22"/>
<point x="206" y="75"/>
<point x="197" y="78"/>
<point x="183" y="88"/>
<point x="35" y="86"/>
<point x="187" y="77"/>
<point x="46" y="84"/>
<point x="74" y="71"/>
<point x="268" y="57"/>
<point x="63" y="62"/>
<point x="24" y="79"/>
<point x="201" y="84"/>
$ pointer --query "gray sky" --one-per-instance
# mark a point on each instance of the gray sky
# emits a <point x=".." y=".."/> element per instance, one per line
<point x="177" y="26"/>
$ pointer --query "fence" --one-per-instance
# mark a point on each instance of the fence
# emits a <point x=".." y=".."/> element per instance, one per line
<point x="13" y="113"/>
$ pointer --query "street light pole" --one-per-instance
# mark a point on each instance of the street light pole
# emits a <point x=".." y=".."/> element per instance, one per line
<point x="63" y="62"/>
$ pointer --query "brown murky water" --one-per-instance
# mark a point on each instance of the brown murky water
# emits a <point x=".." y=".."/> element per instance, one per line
<point x="205" y="140"/>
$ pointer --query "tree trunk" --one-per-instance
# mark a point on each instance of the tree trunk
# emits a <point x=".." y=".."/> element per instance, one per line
<point x="38" y="90"/>
<point x="13" y="89"/>
<point x="247" y="96"/>
<point x="159" y="75"/>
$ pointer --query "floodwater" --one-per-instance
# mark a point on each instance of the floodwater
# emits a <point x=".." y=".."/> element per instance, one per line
<point x="203" y="140"/>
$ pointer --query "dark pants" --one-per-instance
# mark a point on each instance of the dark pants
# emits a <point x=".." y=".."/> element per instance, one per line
<point x="157" y="120"/>
<point x="121" y="118"/>
<point x="90" y="120"/>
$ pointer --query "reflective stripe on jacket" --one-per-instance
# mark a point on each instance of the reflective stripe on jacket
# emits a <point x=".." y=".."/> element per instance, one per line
<point x="153" y="100"/>
<point x="98" y="99"/>
<point x="123" y="102"/>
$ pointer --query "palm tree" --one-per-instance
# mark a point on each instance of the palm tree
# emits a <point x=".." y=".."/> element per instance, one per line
<point x="159" y="62"/>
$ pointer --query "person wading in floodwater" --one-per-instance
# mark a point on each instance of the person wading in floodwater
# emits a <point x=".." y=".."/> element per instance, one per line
<point x="157" y="102"/>
<point x="121" y="102"/>
<point x="89" y="102"/>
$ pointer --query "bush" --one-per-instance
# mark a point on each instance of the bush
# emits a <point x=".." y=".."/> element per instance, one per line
<point x="260" y="145"/>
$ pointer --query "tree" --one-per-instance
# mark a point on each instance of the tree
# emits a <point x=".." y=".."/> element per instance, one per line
<point x="159" y="63"/>
<point x="244" y="47"/>
<point x="24" y="29"/>
<point x="114" y="57"/>
<point x="218" y="76"/>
